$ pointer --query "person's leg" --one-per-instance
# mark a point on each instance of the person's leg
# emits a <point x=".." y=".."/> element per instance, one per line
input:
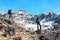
<point x="40" y="26"/>
<point x="9" y="16"/>
<point x="38" y="30"/>
<point x="37" y="27"/>
<point x="12" y="19"/>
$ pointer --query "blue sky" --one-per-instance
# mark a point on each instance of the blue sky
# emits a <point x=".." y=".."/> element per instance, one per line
<point x="31" y="6"/>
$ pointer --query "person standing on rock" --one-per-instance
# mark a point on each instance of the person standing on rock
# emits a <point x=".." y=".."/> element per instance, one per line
<point x="10" y="14"/>
<point x="38" y="23"/>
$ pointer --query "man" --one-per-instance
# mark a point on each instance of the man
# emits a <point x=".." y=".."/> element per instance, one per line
<point x="10" y="14"/>
<point x="38" y="23"/>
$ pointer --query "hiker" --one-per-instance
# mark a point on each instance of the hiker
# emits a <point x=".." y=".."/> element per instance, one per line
<point x="38" y="23"/>
<point x="10" y="14"/>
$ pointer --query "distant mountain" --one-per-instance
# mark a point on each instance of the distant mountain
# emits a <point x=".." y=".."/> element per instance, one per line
<point x="22" y="14"/>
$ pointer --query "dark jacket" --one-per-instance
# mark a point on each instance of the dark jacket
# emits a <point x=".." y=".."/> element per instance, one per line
<point x="37" y="20"/>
